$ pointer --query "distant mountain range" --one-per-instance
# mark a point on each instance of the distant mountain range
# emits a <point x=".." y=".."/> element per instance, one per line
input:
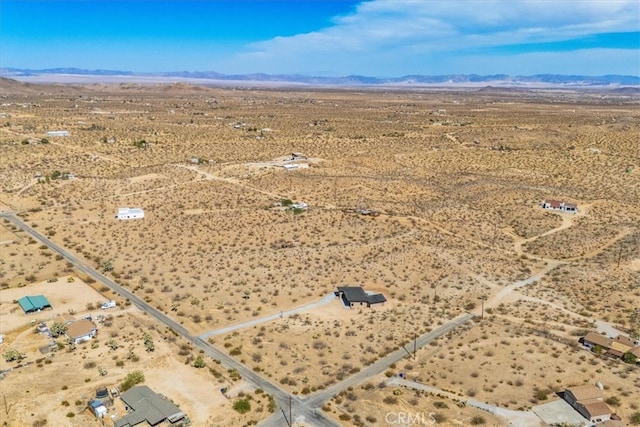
<point x="353" y="80"/>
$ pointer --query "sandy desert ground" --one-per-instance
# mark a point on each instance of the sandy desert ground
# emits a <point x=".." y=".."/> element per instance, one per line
<point x="456" y="175"/>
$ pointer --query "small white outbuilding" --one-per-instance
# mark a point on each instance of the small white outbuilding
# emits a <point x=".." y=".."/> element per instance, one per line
<point x="58" y="133"/>
<point x="130" y="213"/>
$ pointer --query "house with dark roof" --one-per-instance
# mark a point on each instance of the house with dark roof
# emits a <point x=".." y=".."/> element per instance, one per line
<point x="33" y="304"/>
<point x="351" y="295"/>
<point x="146" y="406"/>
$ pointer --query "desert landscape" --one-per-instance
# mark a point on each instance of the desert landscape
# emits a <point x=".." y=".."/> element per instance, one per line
<point x="259" y="203"/>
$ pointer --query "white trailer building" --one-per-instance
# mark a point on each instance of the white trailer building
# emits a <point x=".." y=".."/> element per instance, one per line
<point x="58" y="133"/>
<point x="130" y="213"/>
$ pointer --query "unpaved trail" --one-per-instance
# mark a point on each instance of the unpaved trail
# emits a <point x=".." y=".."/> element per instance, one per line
<point x="516" y="418"/>
<point x="234" y="181"/>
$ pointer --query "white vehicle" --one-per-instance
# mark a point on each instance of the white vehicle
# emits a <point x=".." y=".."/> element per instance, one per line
<point x="108" y="304"/>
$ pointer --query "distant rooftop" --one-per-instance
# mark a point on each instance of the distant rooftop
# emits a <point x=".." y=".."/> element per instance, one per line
<point x="356" y="294"/>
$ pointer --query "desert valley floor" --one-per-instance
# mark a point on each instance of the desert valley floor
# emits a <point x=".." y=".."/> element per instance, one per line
<point x="259" y="203"/>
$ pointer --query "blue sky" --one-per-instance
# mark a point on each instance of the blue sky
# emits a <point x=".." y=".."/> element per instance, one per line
<point x="325" y="37"/>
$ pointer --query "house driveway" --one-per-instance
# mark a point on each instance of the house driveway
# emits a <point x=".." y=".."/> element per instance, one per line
<point x="286" y="313"/>
<point x="559" y="412"/>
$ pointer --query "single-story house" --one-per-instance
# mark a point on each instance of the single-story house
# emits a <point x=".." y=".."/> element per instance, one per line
<point x="58" y="133"/>
<point x="130" y="213"/>
<point x="81" y="330"/>
<point x="558" y="205"/>
<point x="588" y="401"/>
<point x="593" y="339"/>
<point x="355" y="294"/>
<point x="147" y="406"/>
<point x="291" y="166"/>
<point x="582" y="393"/>
<point x="611" y="347"/>
<point x="595" y="411"/>
<point x="34" y="304"/>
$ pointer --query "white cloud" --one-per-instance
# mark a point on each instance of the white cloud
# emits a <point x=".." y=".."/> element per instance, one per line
<point x="401" y="29"/>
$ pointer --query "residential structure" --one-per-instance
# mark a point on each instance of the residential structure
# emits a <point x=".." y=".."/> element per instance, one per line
<point x="291" y="166"/>
<point x="130" y="213"/>
<point x="557" y="205"/>
<point x="588" y="401"/>
<point x="610" y="347"/>
<point x="33" y="304"/>
<point x="58" y="133"/>
<point x="81" y="330"/>
<point x="355" y="294"/>
<point x="146" y="406"/>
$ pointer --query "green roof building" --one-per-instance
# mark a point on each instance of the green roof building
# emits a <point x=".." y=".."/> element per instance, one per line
<point x="34" y="303"/>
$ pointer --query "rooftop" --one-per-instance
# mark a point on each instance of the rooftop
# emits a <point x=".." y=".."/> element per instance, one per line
<point x="596" y="408"/>
<point x="598" y="339"/>
<point x="585" y="392"/>
<point x="34" y="303"/>
<point x="80" y="328"/>
<point x="357" y="294"/>
<point x="147" y="406"/>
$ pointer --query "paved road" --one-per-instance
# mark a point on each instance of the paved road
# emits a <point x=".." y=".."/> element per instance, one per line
<point x="325" y="300"/>
<point x="379" y="366"/>
<point x="304" y="410"/>
<point x="316" y="401"/>
<point x="280" y="395"/>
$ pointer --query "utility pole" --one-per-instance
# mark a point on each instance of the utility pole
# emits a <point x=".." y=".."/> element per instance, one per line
<point x="435" y="295"/>
<point x="415" y="345"/>
<point x="482" y="299"/>
<point x="495" y="232"/>
<point x="619" y="256"/>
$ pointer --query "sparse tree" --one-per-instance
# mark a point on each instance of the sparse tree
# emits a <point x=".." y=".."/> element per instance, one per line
<point x="58" y="329"/>
<point x="107" y="266"/>
<point x="243" y="406"/>
<point x="132" y="378"/>
<point x="12" y="355"/>
<point x="148" y="342"/>
<point x="199" y="362"/>
<point x="630" y="358"/>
